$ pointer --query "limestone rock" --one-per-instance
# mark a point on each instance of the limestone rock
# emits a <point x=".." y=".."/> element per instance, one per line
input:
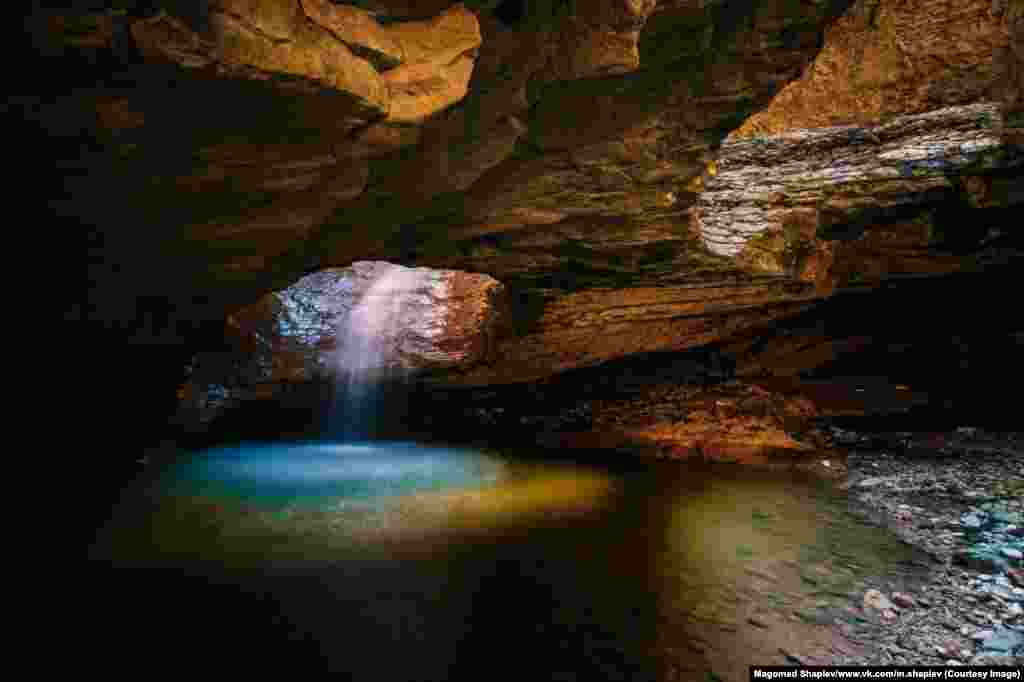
<point x="598" y="325"/>
<point x="873" y="599"/>
<point x="448" y="322"/>
<point x="418" y="90"/>
<point x="776" y="199"/>
<point x="884" y="58"/>
<point x="320" y="45"/>
<point x="423" y="62"/>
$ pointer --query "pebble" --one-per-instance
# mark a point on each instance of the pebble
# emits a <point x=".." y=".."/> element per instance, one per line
<point x="971" y="521"/>
<point x="903" y="599"/>
<point x="873" y="599"/>
<point x="1003" y="641"/>
<point x="966" y="517"/>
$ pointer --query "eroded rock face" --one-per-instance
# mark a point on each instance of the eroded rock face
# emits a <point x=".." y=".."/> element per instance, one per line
<point x="211" y="156"/>
<point x="446" y="321"/>
<point x="385" y="135"/>
<point x="595" y="326"/>
<point x="1011" y="63"/>
<point x="403" y="72"/>
<point x="886" y="58"/>
<point x="833" y="205"/>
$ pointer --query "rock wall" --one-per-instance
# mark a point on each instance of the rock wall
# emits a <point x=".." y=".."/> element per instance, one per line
<point x="1011" y="64"/>
<point x="850" y="204"/>
<point x="258" y="140"/>
<point x="210" y="153"/>
<point x="886" y="58"/>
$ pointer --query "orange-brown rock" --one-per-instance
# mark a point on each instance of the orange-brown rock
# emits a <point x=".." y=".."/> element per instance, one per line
<point x="596" y="326"/>
<point x="320" y="45"/>
<point x="732" y="422"/>
<point x="759" y="421"/>
<point x="207" y="158"/>
<point x="448" y="321"/>
<point x="885" y="58"/>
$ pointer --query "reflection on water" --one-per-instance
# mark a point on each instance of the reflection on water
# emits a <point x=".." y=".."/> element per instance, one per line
<point x="754" y="563"/>
<point x="396" y="561"/>
<point x="259" y="504"/>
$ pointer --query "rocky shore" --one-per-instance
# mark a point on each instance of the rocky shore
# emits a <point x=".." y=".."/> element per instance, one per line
<point x="959" y="496"/>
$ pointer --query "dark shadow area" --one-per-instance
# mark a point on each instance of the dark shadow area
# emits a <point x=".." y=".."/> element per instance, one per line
<point x="511" y="12"/>
<point x="953" y="339"/>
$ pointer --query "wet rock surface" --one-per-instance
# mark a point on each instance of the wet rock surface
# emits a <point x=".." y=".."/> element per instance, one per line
<point x="957" y="495"/>
<point x="445" y="320"/>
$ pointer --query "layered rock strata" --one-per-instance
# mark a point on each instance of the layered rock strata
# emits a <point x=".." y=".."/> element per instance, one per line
<point x="210" y="153"/>
<point x="886" y="58"/>
<point x="830" y="203"/>
<point x="317" y="134"/>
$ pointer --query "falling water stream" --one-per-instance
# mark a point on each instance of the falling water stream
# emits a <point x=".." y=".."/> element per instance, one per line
<point x="407" y="561"/>
<point x="368" y="358"/>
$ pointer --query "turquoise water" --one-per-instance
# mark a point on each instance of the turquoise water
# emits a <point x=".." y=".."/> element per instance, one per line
<point x="322" y="475"/>
<point x="401" y="561"/>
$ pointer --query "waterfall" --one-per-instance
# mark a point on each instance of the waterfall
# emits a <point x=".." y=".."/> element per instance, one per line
<point x="369" y="362"/>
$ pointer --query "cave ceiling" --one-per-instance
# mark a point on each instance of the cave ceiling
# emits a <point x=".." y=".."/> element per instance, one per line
<point x="211" y="152"/>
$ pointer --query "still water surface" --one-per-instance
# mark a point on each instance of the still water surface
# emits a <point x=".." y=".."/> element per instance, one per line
<point x="398" y="561"/>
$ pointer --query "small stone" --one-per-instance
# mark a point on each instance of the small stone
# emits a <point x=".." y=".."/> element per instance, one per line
<point x="873" y="599"/>
<point x="977" y="560"/>
<point x="1003" y="641"/>
<point x="991" y="659"/>
<point x="965" y="630"/>
<point x="903" y="599"/>
<point x="971" y="521"/>
<point x="982" y="635"/>
<point x="759" y="622"/>
<point x="888" y="616"/>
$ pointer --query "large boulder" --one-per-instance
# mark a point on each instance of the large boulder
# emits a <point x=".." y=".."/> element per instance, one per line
<point x="419" y="320"/>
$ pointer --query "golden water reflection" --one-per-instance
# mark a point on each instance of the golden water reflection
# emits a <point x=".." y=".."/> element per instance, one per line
<point x="659" y="571"/>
